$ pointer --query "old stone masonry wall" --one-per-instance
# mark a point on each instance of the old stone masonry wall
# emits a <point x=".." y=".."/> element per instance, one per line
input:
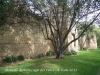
<point x="22" y="37"/>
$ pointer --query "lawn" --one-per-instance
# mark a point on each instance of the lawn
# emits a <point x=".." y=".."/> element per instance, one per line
<point x="85" y="63"/>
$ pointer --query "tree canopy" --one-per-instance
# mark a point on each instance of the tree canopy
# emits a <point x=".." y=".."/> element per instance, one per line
<point x="6" y="7"/>
<point x="9" y="7"/>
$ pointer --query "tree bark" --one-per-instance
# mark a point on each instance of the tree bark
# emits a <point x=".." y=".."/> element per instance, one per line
<point x="59" y="54"/>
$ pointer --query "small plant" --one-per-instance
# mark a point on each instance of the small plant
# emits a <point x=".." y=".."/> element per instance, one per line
<point x="40" y="55"/>
<point x="14" y="59"/>
<point x="7" y="60"/>
<point x="50" y="53"/>
<point x="98" y="46"/>
<point x="10" y="59"/>
<point x="67" y="53"/>
<point x="73" y="52"/>
<point x="85" y="48"/>
<point x="21" y="57"/>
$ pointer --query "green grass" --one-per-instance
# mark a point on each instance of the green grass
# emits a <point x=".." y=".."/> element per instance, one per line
<point x="85" y="63"/>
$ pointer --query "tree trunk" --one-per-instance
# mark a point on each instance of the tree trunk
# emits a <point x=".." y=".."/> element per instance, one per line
<point x="59" y="54"/>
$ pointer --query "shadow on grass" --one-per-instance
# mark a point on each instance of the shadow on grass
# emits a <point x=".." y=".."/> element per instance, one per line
<point x="85" y="63"/>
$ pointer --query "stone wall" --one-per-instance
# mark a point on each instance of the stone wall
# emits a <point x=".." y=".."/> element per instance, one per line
<point x="74" y="45"/>
<point x="88" y="41"/>
<point x="24" y="42"/>
<point x="23" y="36"/>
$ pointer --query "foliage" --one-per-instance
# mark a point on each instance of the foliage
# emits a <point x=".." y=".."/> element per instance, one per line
<point x="85" y="48"/>
<point x="21" y="57"/>
<point x="40" y="55"/>
<point x="89" y="33"/>
<point x="82" y="25"/>
<point x="99" y="47"/>
<point x="61" y="16"/>
<point x="10" y="8"/>
<point x="72" y="52"/>
<point x="85" y="63"/>
<point x="9" y="59"/>
<point x="50" y="53"/>
<point x="67" y="53"/>
<point x="6" y="8"/>
<point x="14" y="59"/>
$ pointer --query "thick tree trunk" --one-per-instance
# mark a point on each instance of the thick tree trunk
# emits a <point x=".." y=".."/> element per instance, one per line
<point x="59" y="55"/>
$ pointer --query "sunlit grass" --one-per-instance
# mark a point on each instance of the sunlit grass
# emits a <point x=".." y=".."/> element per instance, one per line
<point x="85" y="63"/>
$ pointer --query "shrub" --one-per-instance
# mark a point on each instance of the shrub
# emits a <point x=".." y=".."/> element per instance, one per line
<point x="14" y="59"/>
<point x="85" y="48"/>
<point x="21" y="57"/>
<point x="73" y="52"/>
<point x="67" y="53"/>
<point x="50" y="53"/>
<point x="7" y="60"/>
<point x="40" y="55"/>
<point x="98" y="46"/>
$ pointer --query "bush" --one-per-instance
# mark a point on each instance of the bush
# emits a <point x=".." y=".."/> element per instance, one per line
<point x="21" y="57"/>
<point x="50" y="53"/>
<point x="85" y="48"/>
<point x="10" y="59"/>
<point x="40" y="55"/>
<point x="73" y="52"/>
<point x="98" y="46"/>
<point x="67" y="53"/>
<point x="14" y="59"/>
<point x="7" y="60"/>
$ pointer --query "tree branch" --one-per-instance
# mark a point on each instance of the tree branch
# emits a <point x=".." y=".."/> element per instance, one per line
<point x="72" y="21"/>
<point x="81" y="33"/>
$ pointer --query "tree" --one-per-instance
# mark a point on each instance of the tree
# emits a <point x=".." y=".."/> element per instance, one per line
<point x="6" y="7"/>
<point x="61" y="16"/>
<point x="10" y="9"/>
